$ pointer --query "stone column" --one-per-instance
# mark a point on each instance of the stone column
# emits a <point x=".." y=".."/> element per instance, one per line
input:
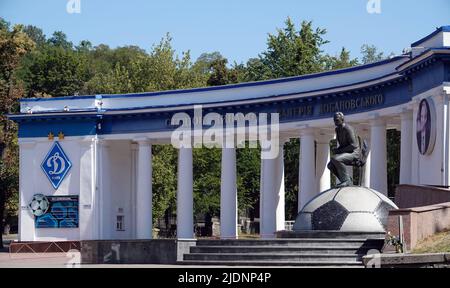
<point x="185" y="201"/>
<point x="228" y="195"/>
<point x="323" y="157"/>
<point x="378" y="163"/>
<point x="365" y="135"/>
<point x="307" y="167"/>
<point x="144" y="220"/>
<point x="279" y="188"/>
<point x="27" y="169"/>
<point x="133" y="199"/>
<point x="272" y="215"/>
<point x="106" y="215"/>
<point x="87" y="223"/>
<point x="406" y="147"/>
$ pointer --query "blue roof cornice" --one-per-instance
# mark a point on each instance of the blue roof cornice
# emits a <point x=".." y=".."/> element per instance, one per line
<point x="424" y="59"/>
<point x="438" y="30"/>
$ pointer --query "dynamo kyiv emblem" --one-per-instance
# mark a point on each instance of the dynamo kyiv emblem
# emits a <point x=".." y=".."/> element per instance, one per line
<point x="56" y="165"/>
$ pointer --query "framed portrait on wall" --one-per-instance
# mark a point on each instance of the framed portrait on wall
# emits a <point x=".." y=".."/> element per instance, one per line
<point x="426" y="126"/>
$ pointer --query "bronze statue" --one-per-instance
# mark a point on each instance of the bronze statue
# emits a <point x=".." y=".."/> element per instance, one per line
<point x="348" y="151"/>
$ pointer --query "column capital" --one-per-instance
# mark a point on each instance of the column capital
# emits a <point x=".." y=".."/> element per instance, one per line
<point x="376" y="120"/>
<point x="446" y="90"/>
<point x="442" y="97"/>
<point x="134" y="146"/>
<point x="86" y="143"/>
<point x="362" y="130"/>
<point x="88" y="139"/>
<point x="324" y="137"/>
<point x="306" y="130"/>
<point x="415" y="102"/>
<point x="406" y="114"/>
<point x="104" y="143"/>
<point x="284" y="139"/>
<point x="405" y="108"/>
<point x="142" y="141"/>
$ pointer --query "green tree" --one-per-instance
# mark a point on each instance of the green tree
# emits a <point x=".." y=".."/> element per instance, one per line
<point x="204" y="62"/>
<point x="84" y="46"/>
<point x="290" y="52"/>
<point x="59" y="39"/>
<point x="341" y="61"/>
<point x="207" y="173"/>
<point x="291" y="173"/>
<point x="164" y="180"/>
<point x="116" y="81"/>
<point x="219" y="73"/>
<point x="36" y="34"/>
<point x="371" y="54"/>
<point x="14" y="44"/>
<point x="248" y="163"/>
<point x="222" y="75"/>
<point x="393" y="160"/>
<point x="54" y="71"/>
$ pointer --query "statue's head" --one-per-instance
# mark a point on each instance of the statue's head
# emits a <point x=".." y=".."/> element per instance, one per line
<point x="338" y="118"/>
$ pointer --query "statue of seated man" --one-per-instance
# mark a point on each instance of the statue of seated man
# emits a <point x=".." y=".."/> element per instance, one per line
<point x="348" y="151"/>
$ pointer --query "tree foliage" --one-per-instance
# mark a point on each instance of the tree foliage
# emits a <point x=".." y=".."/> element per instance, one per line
<point x="370" y="54"/>
<point x="339" y="62"/>
<point x="14" y="44"/>
<point x="290" y="52"/>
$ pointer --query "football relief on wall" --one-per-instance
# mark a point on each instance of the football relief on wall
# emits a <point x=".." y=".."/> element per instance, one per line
<point x="55" y="211"/>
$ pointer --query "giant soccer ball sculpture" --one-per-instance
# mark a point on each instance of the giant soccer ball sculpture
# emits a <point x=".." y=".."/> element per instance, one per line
<point x="347" y="209"/>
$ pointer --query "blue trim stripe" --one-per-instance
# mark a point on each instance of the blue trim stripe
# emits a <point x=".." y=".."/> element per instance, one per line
<point x="225" y="87"/>
<point x="438" y="30"/>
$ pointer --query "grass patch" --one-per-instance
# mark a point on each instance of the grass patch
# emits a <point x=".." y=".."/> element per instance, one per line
<point x="439" y="242"/>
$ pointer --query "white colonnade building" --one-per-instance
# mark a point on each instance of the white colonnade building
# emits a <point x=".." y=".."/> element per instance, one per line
<point x="99" y="173"/>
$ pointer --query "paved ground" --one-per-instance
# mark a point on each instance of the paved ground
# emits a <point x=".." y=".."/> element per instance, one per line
<point x="62" y="260"/>
<point x="69" y="260"/>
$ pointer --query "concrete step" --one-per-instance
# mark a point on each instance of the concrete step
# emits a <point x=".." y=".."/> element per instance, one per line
<point x="330" y="234"/>
<point x="336" y="250"/>
<point x="316" y="264"/>
<point x="283" y="249"/>
<point x="331" y="258"/>
<point x="306" y="242"/>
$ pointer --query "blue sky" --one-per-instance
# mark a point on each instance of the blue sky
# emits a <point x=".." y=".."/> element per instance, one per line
<point x="236" y="28"/>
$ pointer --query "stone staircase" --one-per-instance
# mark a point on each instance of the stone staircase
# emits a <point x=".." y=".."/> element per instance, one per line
<point x="321" y="248"/>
